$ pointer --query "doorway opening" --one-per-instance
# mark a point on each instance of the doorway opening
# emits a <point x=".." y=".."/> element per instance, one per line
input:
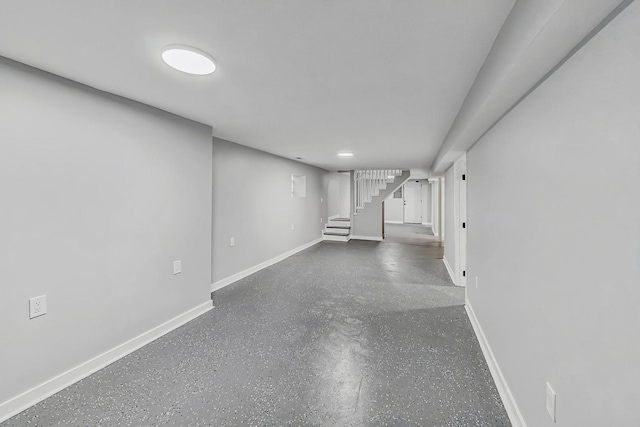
<point x="407" y="213"/>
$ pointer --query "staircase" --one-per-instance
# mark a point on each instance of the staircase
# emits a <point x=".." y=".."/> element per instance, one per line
<point x="368" y="183"/>
<point x="337" y="230"/>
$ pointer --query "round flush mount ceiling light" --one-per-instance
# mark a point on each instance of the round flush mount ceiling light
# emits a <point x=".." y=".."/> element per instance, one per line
<point x="345" y="154"/>
<point x="189" y="60"/>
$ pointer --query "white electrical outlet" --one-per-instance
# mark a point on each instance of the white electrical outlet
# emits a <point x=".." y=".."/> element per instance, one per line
<point x="320" y="199"/>
<point x="177" y="267"/>
<point x="551" y="402"/>
<point x="293" y="227"/>
<point x="232" y="241"/>
<point x="37" y="306"/>
<point x="476" y="282"/>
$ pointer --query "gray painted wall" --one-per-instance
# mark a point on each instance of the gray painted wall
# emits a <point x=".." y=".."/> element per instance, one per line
<point x="449" y="220"/>
<point x="338" y="196"/>
<point x="99" y="196"/>
<point x="394" y="210"/>
<point x="368" y="221"/>
<point x="553" y="208"/>
<point x="252" y="202"/>
<point x="345" y="195"/>
<point x="333" y="195"/>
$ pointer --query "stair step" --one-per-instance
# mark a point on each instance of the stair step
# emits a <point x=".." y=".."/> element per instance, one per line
<point x="339" y="223"/>
<point x="338" y="226"/>
<point x="337" y="238"/>
<point x="337" y="231"/>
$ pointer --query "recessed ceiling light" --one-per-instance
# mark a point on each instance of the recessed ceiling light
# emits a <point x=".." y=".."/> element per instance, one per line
<point x="189" y="60"/>
<point x="345" y="154"/>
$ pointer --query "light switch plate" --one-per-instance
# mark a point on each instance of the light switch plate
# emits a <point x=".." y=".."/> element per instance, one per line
<point x="232" y="241"/>
<point x="551" y="402"/>
<point x="37" y="306"/>
<point x="177" y="267"/>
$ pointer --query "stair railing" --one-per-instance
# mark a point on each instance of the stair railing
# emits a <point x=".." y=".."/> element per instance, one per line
<point x="368" y="183"/>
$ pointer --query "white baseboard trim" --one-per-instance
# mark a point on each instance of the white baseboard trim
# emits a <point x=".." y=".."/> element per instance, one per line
<point x="29" y="398"/>
<point x="394" y="222"/>
<point x="249" y="271"/>
<point x="428" y="224"/>
<point x="501" y="383"/>
<point x="450" y="270"/>
<point x="375" y="239"/>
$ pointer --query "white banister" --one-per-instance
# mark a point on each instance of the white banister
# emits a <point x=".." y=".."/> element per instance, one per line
<point x="368" y="183"/>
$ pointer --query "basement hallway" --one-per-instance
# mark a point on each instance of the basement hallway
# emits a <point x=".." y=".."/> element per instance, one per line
<point x="341" y="334"/>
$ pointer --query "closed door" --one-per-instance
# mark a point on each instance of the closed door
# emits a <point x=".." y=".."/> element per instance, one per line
<point x="412" y="202"/>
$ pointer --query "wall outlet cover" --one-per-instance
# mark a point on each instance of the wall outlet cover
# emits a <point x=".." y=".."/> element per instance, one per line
<point x="177" y="267"/>
<point x="232" y="241"/>
<point x="37" y="306"/>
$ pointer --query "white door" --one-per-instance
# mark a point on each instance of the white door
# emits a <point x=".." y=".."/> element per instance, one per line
<point x="412" y="202"/>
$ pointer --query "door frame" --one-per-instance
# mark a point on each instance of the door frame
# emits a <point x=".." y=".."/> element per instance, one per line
<point x="460" y="218"/>
<point x="436" y="211"/>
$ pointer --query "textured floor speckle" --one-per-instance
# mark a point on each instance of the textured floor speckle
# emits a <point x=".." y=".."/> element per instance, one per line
<point x="342" y="334"/>
<point x="413" y="234"/>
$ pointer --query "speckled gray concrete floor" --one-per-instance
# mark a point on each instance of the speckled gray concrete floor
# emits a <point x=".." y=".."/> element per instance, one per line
<point x="355" y="334"/>
<point x="413" y="234"/>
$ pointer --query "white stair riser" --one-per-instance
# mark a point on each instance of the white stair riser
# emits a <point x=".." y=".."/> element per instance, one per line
<point x="339" y="223"/>
<point x="343" y="231"/>
<point x="336" y="238"/>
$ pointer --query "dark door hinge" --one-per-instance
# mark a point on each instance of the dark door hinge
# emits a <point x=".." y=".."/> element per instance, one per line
<point x="464" y="273"/>
<point x="464" y="176"/>
<point x="464" y="225"/>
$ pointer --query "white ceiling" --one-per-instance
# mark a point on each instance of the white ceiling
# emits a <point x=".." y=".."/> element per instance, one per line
<point x="382" y="78"/>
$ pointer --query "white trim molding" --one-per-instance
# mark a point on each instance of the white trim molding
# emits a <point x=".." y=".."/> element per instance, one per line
<point x="393" y="222"/>
<point x="249" y="271"/>
<point x="449" y="270"/>
<point x="29" y="398"/>
<point x="372" y="238"/>
<point x="501" y="383"/>
<point x="428" y="224"/>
